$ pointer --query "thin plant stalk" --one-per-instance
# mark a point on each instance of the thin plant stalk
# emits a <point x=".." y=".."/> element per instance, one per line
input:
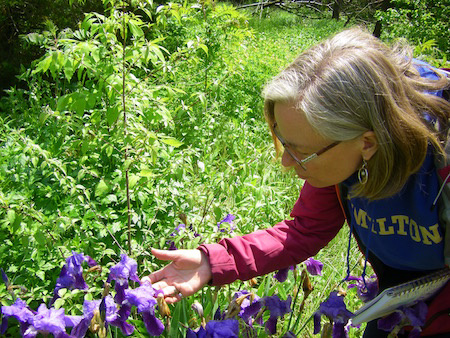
<point x="295" y="301"/>
<point x="124" y="108"/>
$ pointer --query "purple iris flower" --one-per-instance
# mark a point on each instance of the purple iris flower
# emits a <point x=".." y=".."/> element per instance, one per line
<point x="43" y="321"/>
<point x="172" y="245"/>
<point x="144" y="299"/>
<point x="197" y="333"/>
<point x="282" y="275"/>
<point x="20" y="311"/>
<point x="113" y="316"/>
<point x="71" y="276"/>
<point x="5" y="278"/>
<point x="335" y="309"/>
<point x="124" y="270"/>
<point x="277" y="308"/>
<point x="218" y="315"/>
<point x="289" y="334"/>
<point x="72" y="321"/>
<point x="248" y="309"/>
<point x="314" y="266"/>
<point x="120" y="273"/>
<point x="153" y="325"/>
<point x="49" y="320"/>
<point x="414" y="316"/>
<point x="228" y="219"/>
<point x="228" y="328"/>
<point x="367" y="289"/>
<point x="178" y="229"/>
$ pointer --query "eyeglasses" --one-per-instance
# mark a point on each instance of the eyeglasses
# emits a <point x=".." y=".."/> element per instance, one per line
<point x="291" y="153"/>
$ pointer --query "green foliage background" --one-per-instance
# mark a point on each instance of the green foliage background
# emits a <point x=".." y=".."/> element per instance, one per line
<point x="141" y="117"/>
<point x="424" y="24"/>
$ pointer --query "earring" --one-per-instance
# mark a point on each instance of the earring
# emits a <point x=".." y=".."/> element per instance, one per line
<point x="363" y="173"/>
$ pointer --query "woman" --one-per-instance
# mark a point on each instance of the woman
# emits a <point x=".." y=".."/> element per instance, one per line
<point x="353" y="113"/>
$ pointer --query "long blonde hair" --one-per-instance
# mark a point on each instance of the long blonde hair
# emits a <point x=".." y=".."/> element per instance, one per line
<point x="353" y="83"/>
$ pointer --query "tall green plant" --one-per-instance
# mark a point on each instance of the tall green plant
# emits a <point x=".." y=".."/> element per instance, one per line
<point x="105" y="70"/>
<point x="98" y="113"/>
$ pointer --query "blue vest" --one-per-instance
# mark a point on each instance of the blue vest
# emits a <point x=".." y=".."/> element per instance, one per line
<point x="403" y="231"/>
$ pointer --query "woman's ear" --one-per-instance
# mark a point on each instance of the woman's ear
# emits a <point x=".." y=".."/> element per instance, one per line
<point x="369" y="145"/>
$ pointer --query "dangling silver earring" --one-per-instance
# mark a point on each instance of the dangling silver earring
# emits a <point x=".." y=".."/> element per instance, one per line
<point x="363" y="173"/>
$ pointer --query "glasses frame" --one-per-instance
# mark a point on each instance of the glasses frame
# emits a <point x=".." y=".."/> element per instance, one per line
<point x="290" y="152"/>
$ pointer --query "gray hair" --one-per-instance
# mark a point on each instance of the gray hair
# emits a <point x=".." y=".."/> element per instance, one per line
<point x="338" y="84"/>
<point x="353" y="83"/>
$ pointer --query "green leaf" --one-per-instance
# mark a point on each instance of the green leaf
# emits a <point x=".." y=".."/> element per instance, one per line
<point x="127" y="164"/>
<point x="63" y="103"/>
<point x="43" y="65"/>
<point x="43" y="117"/>
<point x="69" y="69"/>
<point x="281" y="291"/>
<point x="109" y="150"/>
<point x="135" y="29"/>
<point x="101" y="189"/>
<point x="40" y="274"/>
<point x="172" y="142"/>
<point x="133" y="179"/>
<point x="111" y="198"/>
<point x="109" y="252"/>
<point x="112" y="114"/>
<point x="146" y="173"/>
<point x="11" y="215"/>
<point x="204" y="48"/>
<point x="59" y="302"/>
<point x="175" y="322"/>
<point x="79" y="104"/>
<point x="91" y="100"/>
<point x="16" y="224"/>
<point x="40" y="238"/>
<point x="85" y="146"/>
<point x="157" y="50"/>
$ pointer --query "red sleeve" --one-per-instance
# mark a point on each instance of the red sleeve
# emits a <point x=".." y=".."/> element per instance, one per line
<point x="317" y="218"/>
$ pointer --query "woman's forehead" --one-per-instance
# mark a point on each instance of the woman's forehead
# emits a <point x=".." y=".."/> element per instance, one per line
<point x="294" y="127"/>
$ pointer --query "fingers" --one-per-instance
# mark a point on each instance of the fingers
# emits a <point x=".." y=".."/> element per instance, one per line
<point x="172" y="299"/>
<point x="165" y="255"/>
<point x="164" y="286"/>
<point x="154" y="277"/>
<point x="170" y="290"/>
<point x="146" y="279"/>
<point x="170" y="293"/>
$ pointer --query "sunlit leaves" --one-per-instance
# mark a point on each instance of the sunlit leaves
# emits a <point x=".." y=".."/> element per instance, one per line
<point x="420" y="22"/>
<point x="102" y="188"/>
<point x="112" y="114"/>
<point x="172" y="142"/>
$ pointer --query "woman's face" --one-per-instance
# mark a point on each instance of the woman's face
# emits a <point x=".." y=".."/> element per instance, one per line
<point x="331" y="167"/>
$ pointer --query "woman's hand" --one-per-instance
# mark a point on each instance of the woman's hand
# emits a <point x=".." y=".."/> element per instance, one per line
<point x="188" y="272"/>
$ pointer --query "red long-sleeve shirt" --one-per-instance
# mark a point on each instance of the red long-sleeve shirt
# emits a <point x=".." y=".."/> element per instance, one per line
<point x="317" y="218"/>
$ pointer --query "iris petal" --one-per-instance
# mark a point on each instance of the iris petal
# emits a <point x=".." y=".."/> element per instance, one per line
<point x="314" y="266"/>
<point x="153" y="325"/>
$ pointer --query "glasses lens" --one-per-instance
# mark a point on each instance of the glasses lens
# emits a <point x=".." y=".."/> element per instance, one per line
<point x="287" y="148"/>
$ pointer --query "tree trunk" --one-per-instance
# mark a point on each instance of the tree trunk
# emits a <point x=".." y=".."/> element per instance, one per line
<point x="336" y="9"/>
<point x="384" y="7"/>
